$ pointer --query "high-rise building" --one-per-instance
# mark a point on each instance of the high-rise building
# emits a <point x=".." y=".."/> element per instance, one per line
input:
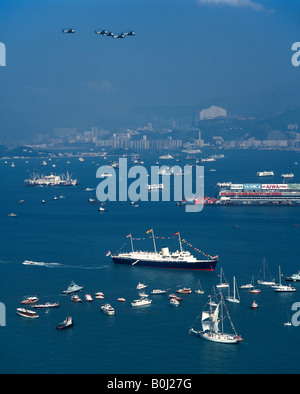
<point x="212" y="113"/>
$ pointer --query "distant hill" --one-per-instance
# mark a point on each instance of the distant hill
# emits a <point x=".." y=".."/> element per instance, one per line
<point x="21" y="151"/>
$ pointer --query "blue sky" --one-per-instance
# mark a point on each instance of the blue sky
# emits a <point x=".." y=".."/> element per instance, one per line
<point x="186" y="54"/>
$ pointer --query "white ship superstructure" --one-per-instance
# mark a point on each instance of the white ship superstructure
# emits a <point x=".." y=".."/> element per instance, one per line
<point x="50" y="180"/>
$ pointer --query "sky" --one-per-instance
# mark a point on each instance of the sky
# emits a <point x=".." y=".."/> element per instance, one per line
<point x="186" y="55"/>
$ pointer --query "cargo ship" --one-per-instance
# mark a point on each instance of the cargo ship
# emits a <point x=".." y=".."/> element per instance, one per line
<point x="181" y="259"/>
<point x="260" y="194"/>
<point x="50" y="180"/>
<point x="284" y="194"/>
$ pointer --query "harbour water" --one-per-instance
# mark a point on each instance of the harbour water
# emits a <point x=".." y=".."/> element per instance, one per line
<point x="68" y="239"/>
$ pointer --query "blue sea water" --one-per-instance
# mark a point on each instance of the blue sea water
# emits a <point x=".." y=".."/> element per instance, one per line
<point x="68" y="239"/>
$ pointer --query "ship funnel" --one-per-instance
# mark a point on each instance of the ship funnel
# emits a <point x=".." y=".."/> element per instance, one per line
<point x="165" y="251"/>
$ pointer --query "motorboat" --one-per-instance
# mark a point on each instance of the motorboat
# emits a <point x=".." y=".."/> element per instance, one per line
<point x="27" y="313"/>
<point x="107" y="309"/>
<point x="75" y="298"/>
<point x="67" y="323"/>
<point x="121" y="299"/>
<point x="141" y="286"/>
<point x="293" y="278"/>
<point x="30" y="300"/>
<point x="184" y="290"/>
<point x="174" y="302"/>
<point x="158" y="291"/>
<point x="141" y="302"/>
<point x="88" y="298"/>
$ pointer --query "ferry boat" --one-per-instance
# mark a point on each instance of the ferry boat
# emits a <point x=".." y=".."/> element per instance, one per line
<point x="27" y="313"/>
<point x="50" y="180"/>
<point x="73" y="288"/>
<point x="67" y="323"/>
<point x="164" y="259"/>
<point x="210" y="320"/>
<point x="107" y="309"/>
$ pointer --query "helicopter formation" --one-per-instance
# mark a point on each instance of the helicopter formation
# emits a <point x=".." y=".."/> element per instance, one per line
<point x="103" y="33"/>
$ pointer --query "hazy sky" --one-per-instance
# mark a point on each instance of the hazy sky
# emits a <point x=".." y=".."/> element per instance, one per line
<point x="186" y="53"/>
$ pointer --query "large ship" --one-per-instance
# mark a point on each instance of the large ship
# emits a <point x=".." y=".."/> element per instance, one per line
<point x="260" y="194"/>
<point x="50" y="180"/>
<point x="165" y="259"/>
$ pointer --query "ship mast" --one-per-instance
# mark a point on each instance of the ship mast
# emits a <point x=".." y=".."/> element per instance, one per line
<point x="153" y="241"/>
<point x="180" y="242"/>
<point x="131" y="243"/>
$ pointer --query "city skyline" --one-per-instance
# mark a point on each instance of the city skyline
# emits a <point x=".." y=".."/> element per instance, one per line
<point x="185" y="56"/>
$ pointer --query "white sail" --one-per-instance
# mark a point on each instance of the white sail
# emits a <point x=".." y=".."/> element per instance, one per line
<point x="205" y="315"/>
<point x="215" y="319"/>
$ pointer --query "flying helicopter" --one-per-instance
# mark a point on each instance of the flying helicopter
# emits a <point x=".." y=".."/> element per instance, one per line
<point x="68" y="31"/>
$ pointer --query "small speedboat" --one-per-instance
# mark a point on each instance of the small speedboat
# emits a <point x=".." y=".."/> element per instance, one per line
<point x="88" y="298"/>
<point x="67" y="323"/>
<point x="75" y="298"/>
<point x="30" y="300"/>
<point x="121" y="299"/>
<point x="254" y="305"/>
<point x="185" y="290"/>
<point x="174" y="302"/>
<point x="141" y="286"/>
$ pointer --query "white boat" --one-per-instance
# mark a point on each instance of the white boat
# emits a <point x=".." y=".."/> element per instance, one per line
<point x="141" y="286"/>
<point x="247" y="286"/>
<point x="88" y="298"/>
<point x="287" y="175"/>
<point x="263" y="281"/>
<point x="141" y="302"/>
<point x="280" y="288"/>
<point x="47" y="305"/>
<point x="222" y="284"/>
<point x="199" y="289"/>
<point x="174" y="302"/>
<point x="210" y="324"/>
<point x="265" y="173"/>
<point x="143" y="294"/>
<point x="236" y="296"/>
<point x="158" y="292"/>
<point x="30" y="300"/>
<point x="165" y="157"/>
<point x="254" y="305"/>
<point x="27" y="313"/>
<point x="107" y="309"/>
<point x="75" y="298"/>
<point x="293" y="278"/>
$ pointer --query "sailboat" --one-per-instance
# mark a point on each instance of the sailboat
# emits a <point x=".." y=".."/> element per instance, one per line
<point x="252" y="289"/>
<point x="224" y="284"/>
<point x="248" y="285"/>
<point x="264" y="281"/>
<point x="236" y="296"/>
<point x="210" y="324"/>
<point x="283" y="288"/>
<point x="199" y="289"/>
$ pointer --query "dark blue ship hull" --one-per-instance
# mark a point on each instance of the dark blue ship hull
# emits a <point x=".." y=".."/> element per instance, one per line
<point x="200" y="265"/>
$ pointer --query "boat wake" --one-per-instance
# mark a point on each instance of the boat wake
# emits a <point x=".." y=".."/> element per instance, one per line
<point x="58" y="265"/>
<point x="41" y="264"/>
